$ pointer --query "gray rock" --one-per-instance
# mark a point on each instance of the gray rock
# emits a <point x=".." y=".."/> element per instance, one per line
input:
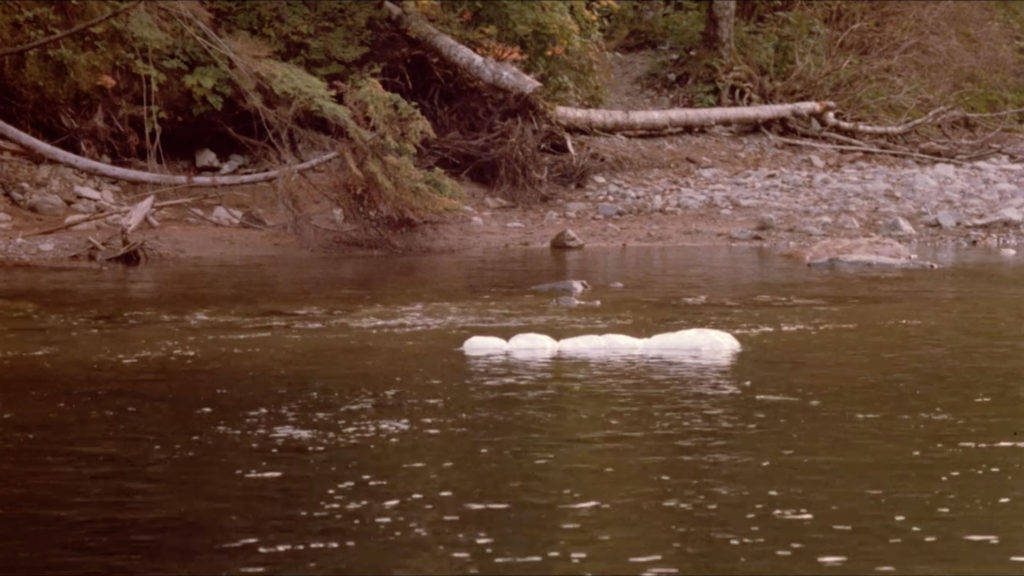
<point x="847" y="222"/>
<point x="811" y="230"/>
<point x="550" y="217"/>
<point x="85" y="207"/>
<point x="924" y="183"/>
<point x="46" y="204"/>
<point x="87" y="193"/>
<point x="617" y="285"/>
<point x="744" y="235"/>
<point x="567" y="240"/>
<point x="570" y="286"/>
<point x="1007" y="216"/>
<point x="226" y="216"/>
<point x="1007" y="252"/>
<point x="574" y="208"/>
<point x="943" y="170"/>
<point x="235" y="161"/>
<point x="82" y="225"/>
<point x="515" y="225"/>
<point x="767" y="222"/>
<point x="816" y="161"/>
<point x="206" y="159"/>
<point x="898" y="226"/>
<point x="609" y="210"/>
<point x="476" y="221"/>
<point x="5" y="217"/>
<point x="598" y="179"/>
<point x="945" y="220"/>
<point x="495" y="203"/>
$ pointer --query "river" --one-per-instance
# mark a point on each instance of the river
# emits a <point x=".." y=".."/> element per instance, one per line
<point x="316" y="416"/>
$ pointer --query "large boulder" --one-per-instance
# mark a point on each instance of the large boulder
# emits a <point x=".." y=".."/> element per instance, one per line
<point x="866" y="252"/>
<point x="567" y="240"/>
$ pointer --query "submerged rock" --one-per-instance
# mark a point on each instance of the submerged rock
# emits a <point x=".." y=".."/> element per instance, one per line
<point x="571" y="286"/>
<point x="870" y="261"/>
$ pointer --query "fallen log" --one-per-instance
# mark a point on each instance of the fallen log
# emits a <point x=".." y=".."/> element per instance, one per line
<point x="510" y="79"/>
<point x="138" y="176"/>
<point x="655" y="120"/>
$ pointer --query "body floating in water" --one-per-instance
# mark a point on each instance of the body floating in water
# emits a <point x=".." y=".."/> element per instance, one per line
<point x="694" y="343"/>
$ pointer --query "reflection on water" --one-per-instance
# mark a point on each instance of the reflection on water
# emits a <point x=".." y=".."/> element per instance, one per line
<point x="319" y="417"/>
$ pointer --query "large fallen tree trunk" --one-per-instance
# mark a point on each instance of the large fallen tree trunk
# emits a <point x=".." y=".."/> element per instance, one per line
<point x="511" y="79"/>
<point x="99" y="168"/>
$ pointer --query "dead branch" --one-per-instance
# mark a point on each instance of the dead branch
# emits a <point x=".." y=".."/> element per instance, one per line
<point x="106" y="170"/>
<point x="867" y="149"/>
<point x="829" y="120"/>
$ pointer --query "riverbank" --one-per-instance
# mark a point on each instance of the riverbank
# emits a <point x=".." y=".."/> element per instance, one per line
<point x="714" y="188"/>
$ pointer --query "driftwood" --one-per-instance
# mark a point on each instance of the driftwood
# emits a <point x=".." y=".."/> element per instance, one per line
<point x="511" y="79"/>
<point x="106" y="170"/>
<point x="125" y="210"/>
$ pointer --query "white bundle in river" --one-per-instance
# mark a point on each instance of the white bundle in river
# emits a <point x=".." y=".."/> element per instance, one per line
<point x="691" y="343"/>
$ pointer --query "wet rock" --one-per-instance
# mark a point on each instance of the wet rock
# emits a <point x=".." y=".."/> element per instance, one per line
<point x="898" y="226"/>
<point x="570" y="286"/>
<point x="744" y="235"/>
<point x="870" y="261"/>
<point x="46" y="204"/>
<point x="1007" y="216"/>
<point x="206" y="159"/>
<point x="567" y="240"/>
<point x="874" y="245"/>
<point x="573" y="302"/>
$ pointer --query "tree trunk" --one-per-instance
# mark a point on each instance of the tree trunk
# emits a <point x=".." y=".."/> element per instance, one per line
<point x="498" y="74"/>
<point x="719" y="27"/>
<point x="661" y="120"/>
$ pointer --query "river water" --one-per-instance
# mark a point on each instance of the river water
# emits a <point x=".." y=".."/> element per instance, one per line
<point x="316" y="416"/>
